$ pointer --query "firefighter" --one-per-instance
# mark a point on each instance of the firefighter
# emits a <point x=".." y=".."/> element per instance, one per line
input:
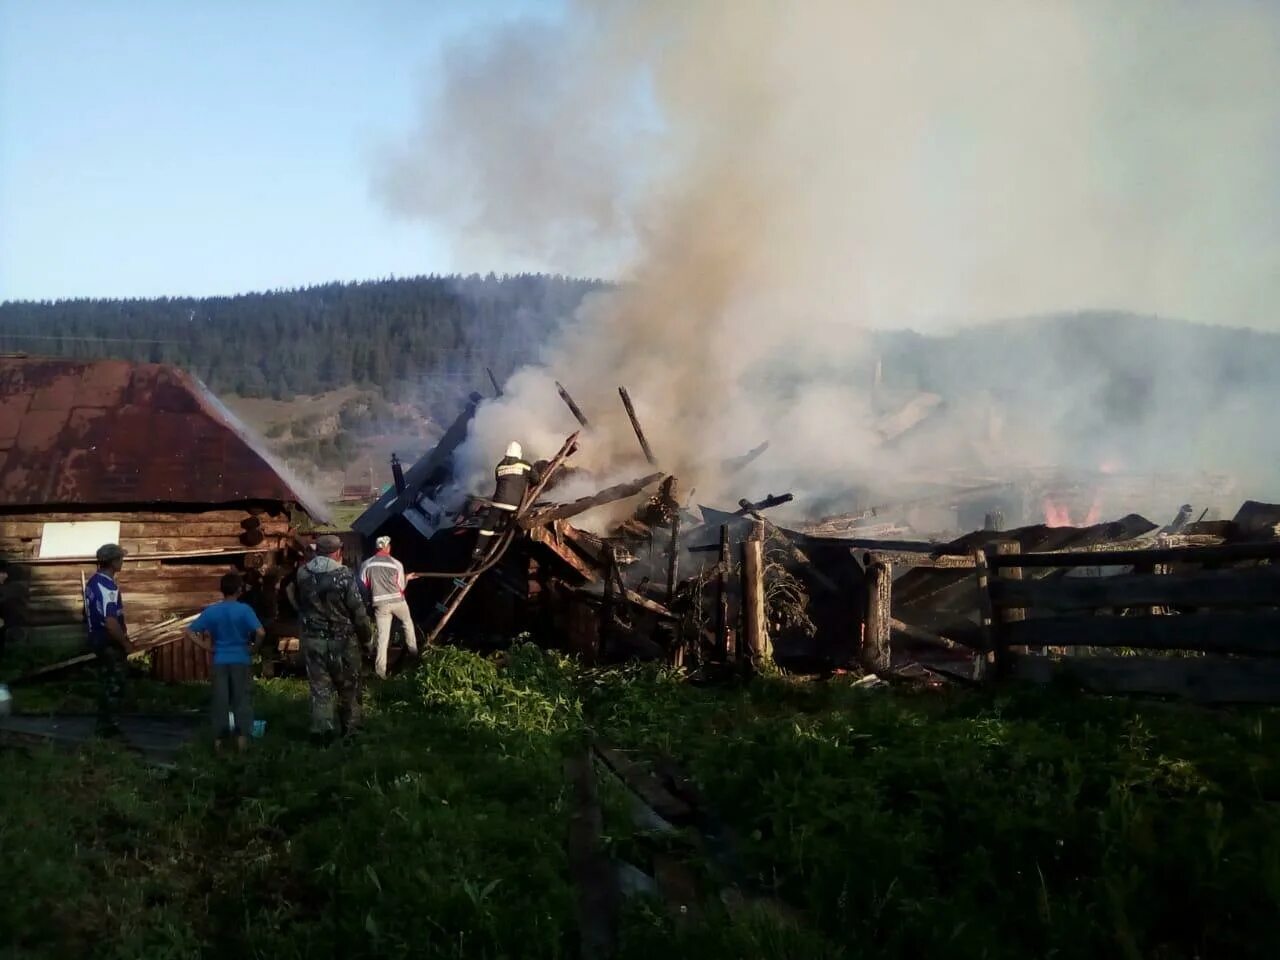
<point x="513" y="476"/>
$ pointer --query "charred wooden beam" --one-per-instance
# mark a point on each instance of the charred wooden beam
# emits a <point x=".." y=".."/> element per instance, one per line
<point x="563" y="511"/>
<point x="573" y="407"/>
<point x="497" y="389"/>
<point x="673" y="556"/>
<point x="745" y="506"/>
<point x="734" y="464"/>
<point x="553" y="536"/>
<point x="635" y="425"/>
<point x="646" y="604"/>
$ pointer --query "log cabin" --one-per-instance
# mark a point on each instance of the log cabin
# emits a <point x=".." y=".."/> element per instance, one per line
<point x="95" y="452"/>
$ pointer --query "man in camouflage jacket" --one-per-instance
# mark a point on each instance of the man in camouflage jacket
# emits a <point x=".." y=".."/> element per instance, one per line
<point x="334" y="628"/>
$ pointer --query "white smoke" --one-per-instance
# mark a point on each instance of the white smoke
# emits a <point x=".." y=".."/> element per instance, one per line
<point x="771" y="181"/>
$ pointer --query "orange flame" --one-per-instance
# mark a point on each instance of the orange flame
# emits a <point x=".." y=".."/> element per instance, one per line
<point x="1056" y="515"/>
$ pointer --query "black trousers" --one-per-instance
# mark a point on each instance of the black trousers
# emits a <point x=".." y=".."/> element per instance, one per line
<point x="492" y="526"/>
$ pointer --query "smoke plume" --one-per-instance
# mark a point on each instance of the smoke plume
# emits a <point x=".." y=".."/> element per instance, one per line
<point x="770" y="182"/>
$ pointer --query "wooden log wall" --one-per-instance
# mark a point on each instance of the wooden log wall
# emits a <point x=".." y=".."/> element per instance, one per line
<point x="145" y="532"/>
<point x="42" y="600"/>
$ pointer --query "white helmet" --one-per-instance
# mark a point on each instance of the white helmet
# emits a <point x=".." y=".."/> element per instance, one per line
<point x="513" y="450"/>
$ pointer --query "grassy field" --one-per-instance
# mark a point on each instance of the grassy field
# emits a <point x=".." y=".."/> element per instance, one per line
<point x="894" y="824"/>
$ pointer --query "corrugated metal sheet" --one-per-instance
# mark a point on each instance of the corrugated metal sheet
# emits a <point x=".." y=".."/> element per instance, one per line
<point x="110" y="432"/>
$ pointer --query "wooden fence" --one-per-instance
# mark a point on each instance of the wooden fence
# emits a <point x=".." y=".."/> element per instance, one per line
<point x="1223" y="619"/>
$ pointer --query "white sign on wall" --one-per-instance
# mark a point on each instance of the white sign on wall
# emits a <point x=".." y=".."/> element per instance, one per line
<point x="79" y="539"/>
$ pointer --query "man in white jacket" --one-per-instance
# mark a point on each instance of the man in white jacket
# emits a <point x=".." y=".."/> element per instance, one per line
<point x="384" y="582"/>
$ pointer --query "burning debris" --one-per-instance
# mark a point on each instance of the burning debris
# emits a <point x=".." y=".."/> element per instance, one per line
<point x="650" y="576"/>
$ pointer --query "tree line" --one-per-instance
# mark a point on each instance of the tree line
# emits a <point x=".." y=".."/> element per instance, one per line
<point x="399" y="336"/>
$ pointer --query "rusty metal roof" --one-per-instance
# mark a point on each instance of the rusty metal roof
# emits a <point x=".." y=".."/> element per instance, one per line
<point x="113" y="432"/>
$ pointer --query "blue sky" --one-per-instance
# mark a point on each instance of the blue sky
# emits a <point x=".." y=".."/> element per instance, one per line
<point x="200" y="147"/>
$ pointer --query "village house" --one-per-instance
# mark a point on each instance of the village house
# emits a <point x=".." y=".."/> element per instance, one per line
<point x="94" y="452"/>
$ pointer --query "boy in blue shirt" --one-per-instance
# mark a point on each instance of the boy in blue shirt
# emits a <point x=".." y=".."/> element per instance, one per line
<point x="228" y="628"/>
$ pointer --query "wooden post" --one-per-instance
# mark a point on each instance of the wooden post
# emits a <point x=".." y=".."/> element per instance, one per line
<point x="1162" y="569"/>
<point x="573" y="407"/>
<point x="755" y="628"/>
<point x="990" y="630"/>
<point x="722" y="598"/>
<point x="497" y="388"/>
<point x="673" y="556"/>
<point x="607" y="606"/>
<point x="1012" y="614"/>
<point x="635" y="425"/>
<point x="876" y="652"/>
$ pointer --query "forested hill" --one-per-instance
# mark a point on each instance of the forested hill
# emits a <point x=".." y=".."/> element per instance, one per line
<point x="384" y="333"/>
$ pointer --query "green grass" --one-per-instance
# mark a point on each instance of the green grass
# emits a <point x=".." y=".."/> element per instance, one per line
<point x="895" y="824"/>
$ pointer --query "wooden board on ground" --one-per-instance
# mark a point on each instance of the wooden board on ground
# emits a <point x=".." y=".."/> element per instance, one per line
<point x="646" y="786"/>
<point x="594" y="878"/>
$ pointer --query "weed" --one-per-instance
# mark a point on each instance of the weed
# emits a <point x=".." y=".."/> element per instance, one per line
<point x="893" y="824"/>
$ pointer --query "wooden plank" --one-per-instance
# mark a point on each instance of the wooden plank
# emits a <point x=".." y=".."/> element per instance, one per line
<point x="152" y="554"/>
<point x="157" y="636"/>
<point x="1227" y="553"/>
<point x="595" y="882"/>
<point x="1208" y="680"/>
<point x="876" y="632"/>
<point x="646" y="786"/>
<point x="1200" y="588"/>
<point x="1252" y="633"/>
<point x="24" y="515"/>
<point x="908" y="559"/>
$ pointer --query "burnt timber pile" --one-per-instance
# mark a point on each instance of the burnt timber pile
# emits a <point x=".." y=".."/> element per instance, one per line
<point x="143" y="455"/>
<point x="703" y="587"/>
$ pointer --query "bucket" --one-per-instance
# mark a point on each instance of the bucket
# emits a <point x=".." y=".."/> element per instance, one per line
<point x="6" y="701"/>
<point x="259" y="727"/>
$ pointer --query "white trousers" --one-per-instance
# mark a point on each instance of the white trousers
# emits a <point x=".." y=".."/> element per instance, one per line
<point x="382" y="614"/>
